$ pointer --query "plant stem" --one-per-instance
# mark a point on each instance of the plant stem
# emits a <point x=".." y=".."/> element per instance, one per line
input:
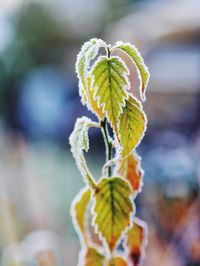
<point x="108" y="52"/>
<point x="106" y="135"/>
<point x="108" y="144"/>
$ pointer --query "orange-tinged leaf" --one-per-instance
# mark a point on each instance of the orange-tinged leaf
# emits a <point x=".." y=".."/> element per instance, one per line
<point x="117" y="261"/>
<point x="92" y="257"/>
<point x="136" y="241"/>
<point x="130" y="168"/>
<point x="112" y="208"/>
<point x="78" y="212"/>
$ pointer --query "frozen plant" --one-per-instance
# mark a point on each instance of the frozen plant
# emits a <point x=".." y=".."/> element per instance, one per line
<point x="104" y="211"/>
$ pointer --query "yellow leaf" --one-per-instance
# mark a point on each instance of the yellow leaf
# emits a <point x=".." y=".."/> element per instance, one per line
<point x="137" y="59"/>
<point x="93" y="257"/>
<point x="117" y="261"/>
<point x="112" y="209"/>
<point x="79" y="208"/>
<point x="110" y="81"/>
<point x="132" y="125"/>
<point x="93" y="105"/>
<point x="136" y="241"/>
<point x="130" y="168"/>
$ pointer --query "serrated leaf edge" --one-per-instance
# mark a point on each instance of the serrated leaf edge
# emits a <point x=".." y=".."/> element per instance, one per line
<point x="126" y="88"/>
<point x="119" y="147"/>
<point x="96" y="228"/>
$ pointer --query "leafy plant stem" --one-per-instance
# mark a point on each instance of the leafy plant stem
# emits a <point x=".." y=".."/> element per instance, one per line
<point x="104" y="87"/>
<point x="108" y="51"/>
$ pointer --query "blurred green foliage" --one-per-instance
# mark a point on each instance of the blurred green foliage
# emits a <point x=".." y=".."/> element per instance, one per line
<point x="36" y="33"/>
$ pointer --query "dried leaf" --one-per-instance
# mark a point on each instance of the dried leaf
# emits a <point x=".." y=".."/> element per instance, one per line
<point x="130" y="168"/>
<point x="136" y="241"/>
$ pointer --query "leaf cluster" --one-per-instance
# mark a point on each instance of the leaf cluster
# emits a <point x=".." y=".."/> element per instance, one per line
<point x="104" y="211"/>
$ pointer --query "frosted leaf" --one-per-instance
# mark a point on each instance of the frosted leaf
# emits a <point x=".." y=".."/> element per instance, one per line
<point x="78" y="213"/>
<point x="110" y="81"/>
<point x="132" y="125"/>
<point x="112" y="208"/>
<point x="130" y="169"/>
<point x="88" y="52"/>
<point x="136" y="241"/>
<point x="142" y="70"/>
<point x="93" y="103"/>
<point x="117" y="261"/>
<point x="92" y="256"/>
<point x="79" y="142"/>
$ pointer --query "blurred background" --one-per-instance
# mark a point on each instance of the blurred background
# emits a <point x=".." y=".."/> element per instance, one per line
<point x="39" y="102"/>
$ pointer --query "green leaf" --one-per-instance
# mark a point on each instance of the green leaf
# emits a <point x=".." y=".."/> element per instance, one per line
<point x="142" y="69"/>
<point x="110" y="81"/>
<point x="130" y="168"/>
<point x="112" y="209"/>
<point x="93" y="257"/>
<point x="79" y="142"/>
<point x="132" y="125"/>
<point x="88" y="52"/>
<point x="137" y="241"/>
<point x="78" y="212"/>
